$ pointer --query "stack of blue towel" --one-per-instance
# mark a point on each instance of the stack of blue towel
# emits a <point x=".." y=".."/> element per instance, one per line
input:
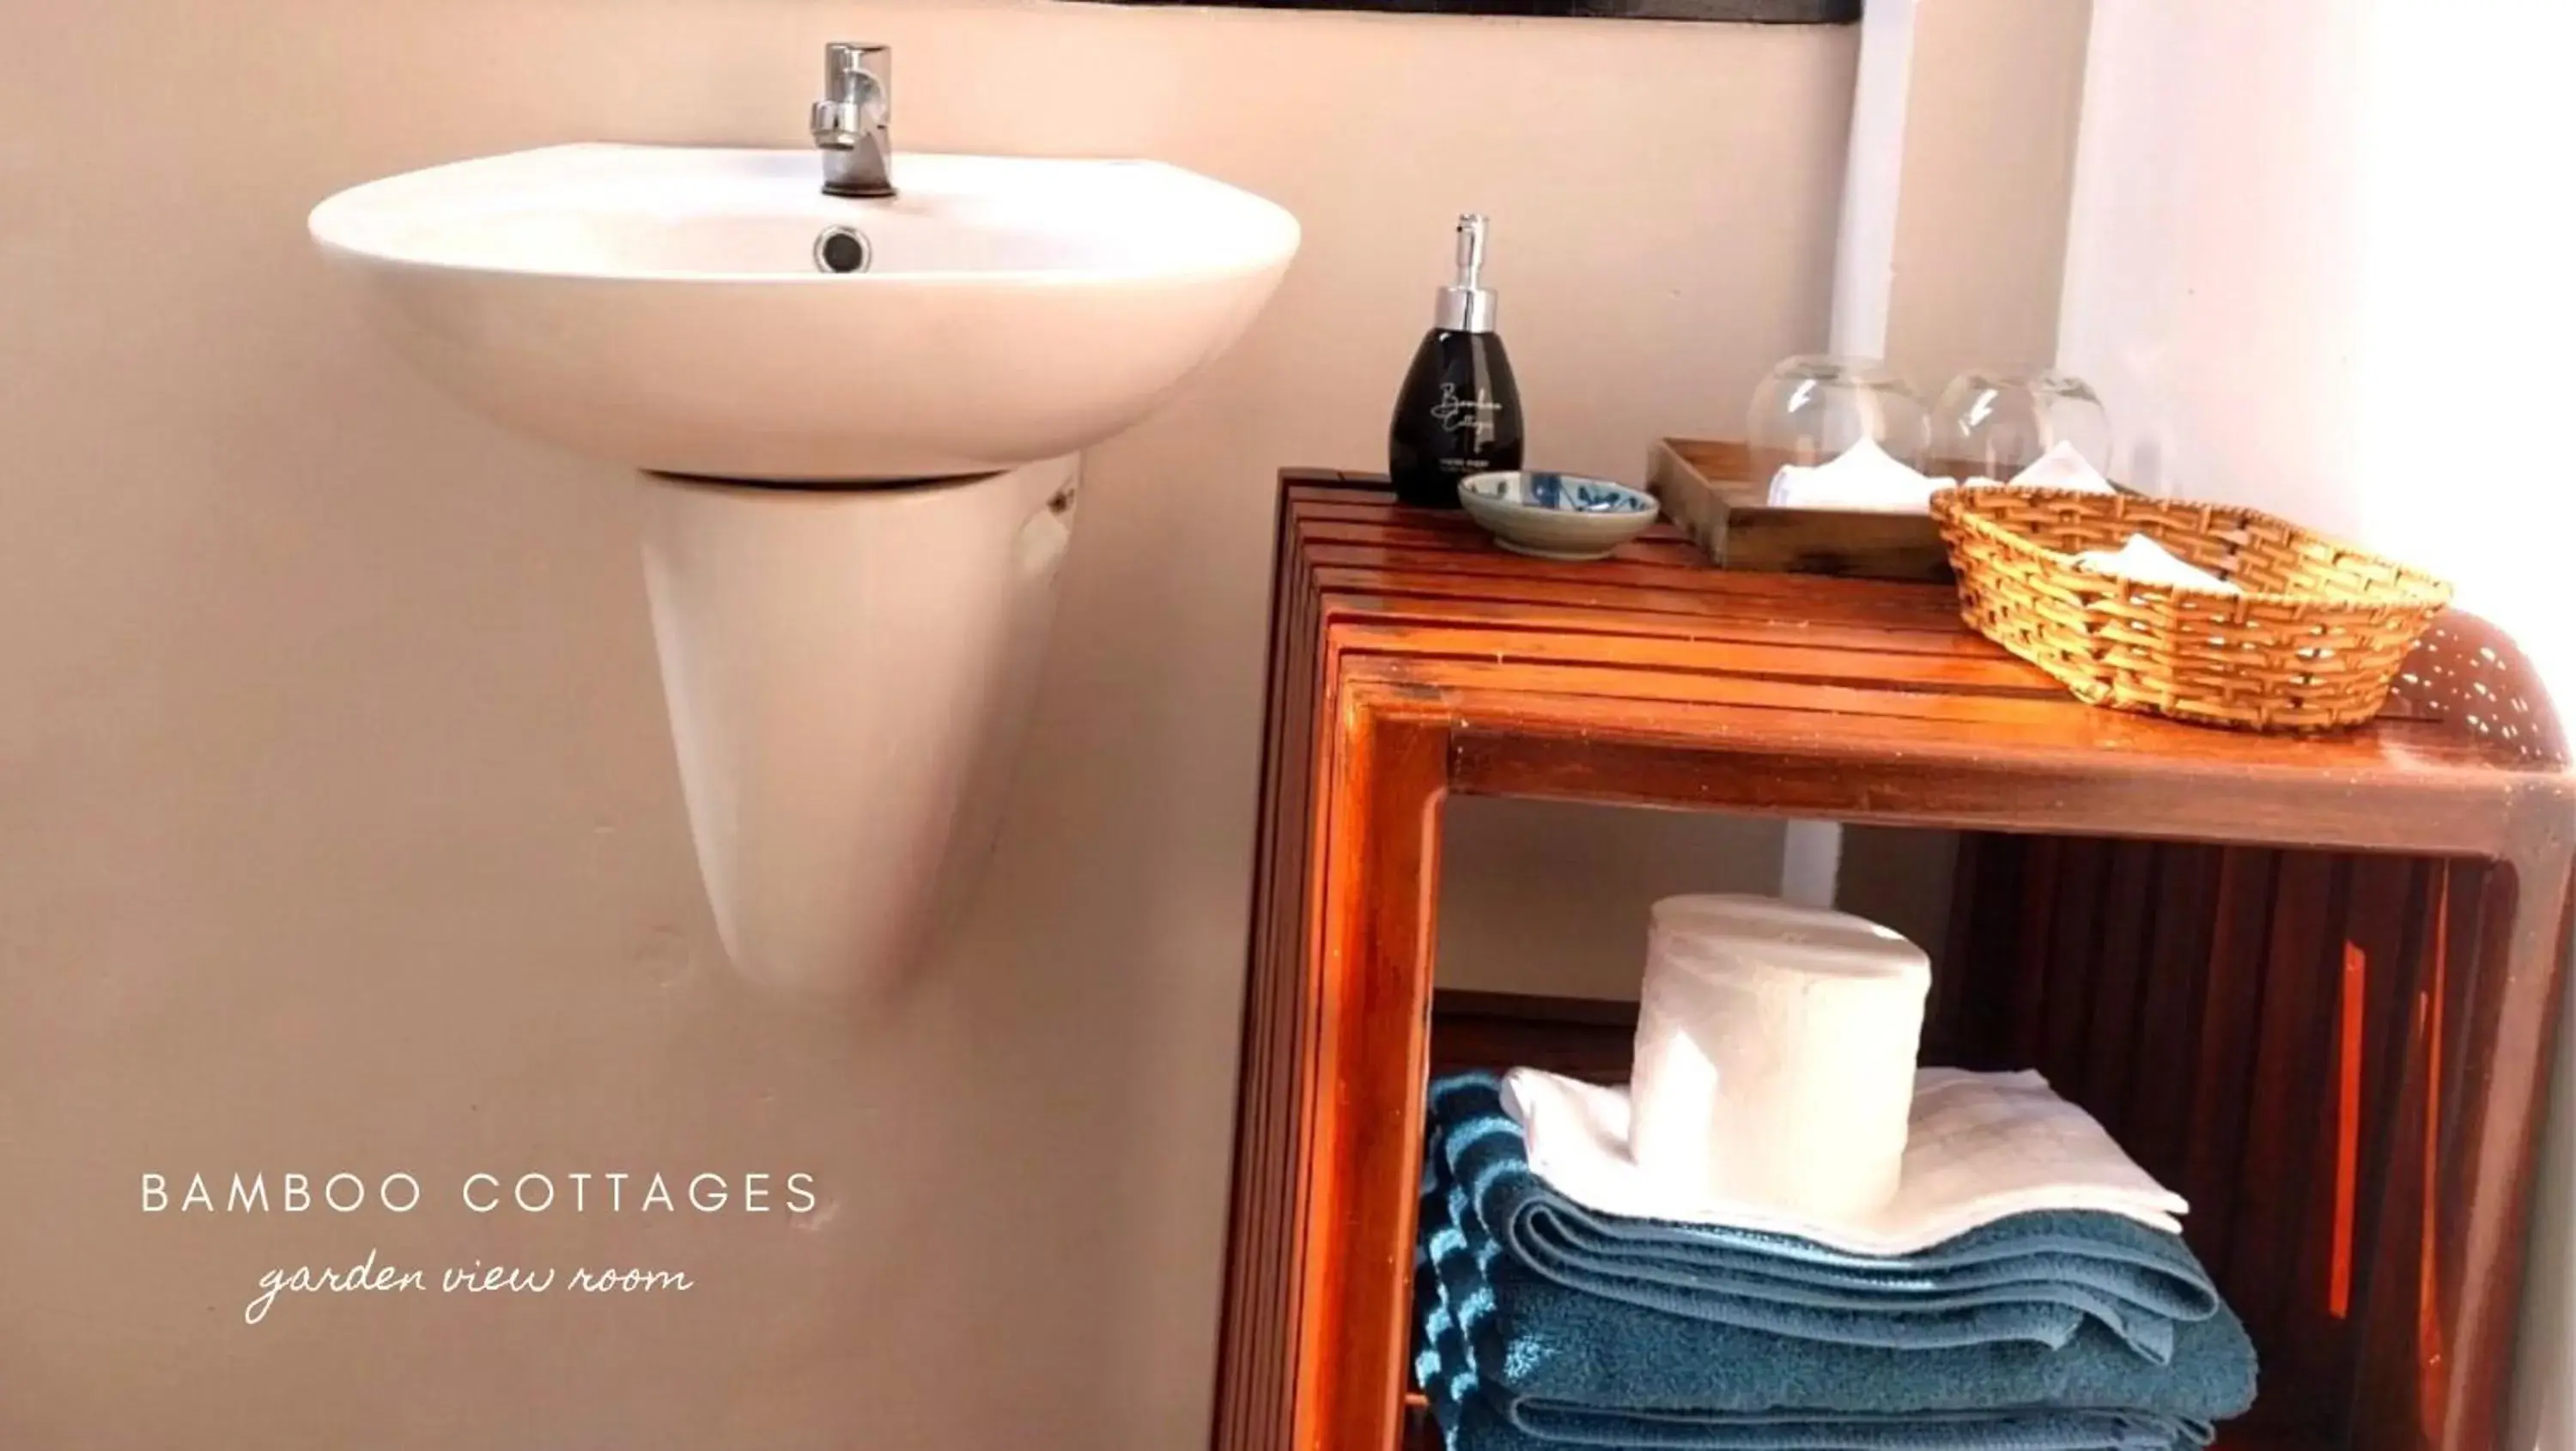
<point x="1547" y="1324"/>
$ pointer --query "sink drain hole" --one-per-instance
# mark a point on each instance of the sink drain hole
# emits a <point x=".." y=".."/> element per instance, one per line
<point x="842" y="249"/>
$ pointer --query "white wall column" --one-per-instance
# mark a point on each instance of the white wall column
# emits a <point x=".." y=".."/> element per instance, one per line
<point x="1948" y="256"/>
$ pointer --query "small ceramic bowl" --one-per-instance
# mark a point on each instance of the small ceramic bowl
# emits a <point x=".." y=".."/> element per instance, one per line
<point x="1556" y="516"/>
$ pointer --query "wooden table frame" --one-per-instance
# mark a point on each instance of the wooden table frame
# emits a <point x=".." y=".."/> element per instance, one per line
<point x="1410" y="662"/>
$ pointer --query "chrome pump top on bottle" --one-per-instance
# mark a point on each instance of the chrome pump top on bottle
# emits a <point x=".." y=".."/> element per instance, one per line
<point x="1460" y="411"/>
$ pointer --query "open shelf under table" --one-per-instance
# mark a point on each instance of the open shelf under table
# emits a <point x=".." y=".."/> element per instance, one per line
<point x="1590" y="1038"/>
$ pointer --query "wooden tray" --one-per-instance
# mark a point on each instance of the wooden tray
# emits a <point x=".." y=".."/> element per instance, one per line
<point x="1711" y="490"/>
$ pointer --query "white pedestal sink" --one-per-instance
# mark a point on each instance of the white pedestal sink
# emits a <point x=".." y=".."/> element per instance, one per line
<point x="860" y="483"/>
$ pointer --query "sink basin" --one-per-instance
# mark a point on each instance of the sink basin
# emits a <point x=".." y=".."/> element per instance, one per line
<point x="666" y="308"/>
<point x="848" y="663"/>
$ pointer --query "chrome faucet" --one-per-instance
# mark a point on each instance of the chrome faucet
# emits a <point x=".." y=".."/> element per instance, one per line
<point x="852" y="121"/>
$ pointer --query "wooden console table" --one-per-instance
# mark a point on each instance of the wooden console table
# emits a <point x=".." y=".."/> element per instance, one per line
<point x="2313" y="981"/>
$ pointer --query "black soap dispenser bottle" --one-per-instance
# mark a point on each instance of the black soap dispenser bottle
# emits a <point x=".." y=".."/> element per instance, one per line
<point x="1460" y="411"/>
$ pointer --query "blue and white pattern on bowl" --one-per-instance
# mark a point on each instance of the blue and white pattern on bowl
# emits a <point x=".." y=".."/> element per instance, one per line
<point x="1556" y="516"/>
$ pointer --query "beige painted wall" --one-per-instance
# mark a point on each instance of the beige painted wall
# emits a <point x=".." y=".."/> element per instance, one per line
<point x="1991" y="115"/>
<point x="338" y="826"/>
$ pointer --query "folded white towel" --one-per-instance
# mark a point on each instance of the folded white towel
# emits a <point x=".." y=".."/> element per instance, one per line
<point x="2144" y="560"/>
<point x="1980" y="1146"/>
<point x="1864" y="477"/>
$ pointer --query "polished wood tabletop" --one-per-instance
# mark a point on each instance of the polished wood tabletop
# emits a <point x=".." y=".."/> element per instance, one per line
<point x="1655" y="646"/>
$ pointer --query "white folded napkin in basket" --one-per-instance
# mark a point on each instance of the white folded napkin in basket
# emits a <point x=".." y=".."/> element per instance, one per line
<point x="2144" y="560"/>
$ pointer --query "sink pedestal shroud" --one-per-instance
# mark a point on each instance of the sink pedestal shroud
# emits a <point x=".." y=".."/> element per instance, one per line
<point x="849" y="673"/>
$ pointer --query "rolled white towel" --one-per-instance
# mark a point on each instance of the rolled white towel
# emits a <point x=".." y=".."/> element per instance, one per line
<point x="1764" y="1031"/>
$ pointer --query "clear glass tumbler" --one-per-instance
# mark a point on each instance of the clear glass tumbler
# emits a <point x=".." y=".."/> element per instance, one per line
<point x="1814" y="408"/>
<point x="1994" y="425"/>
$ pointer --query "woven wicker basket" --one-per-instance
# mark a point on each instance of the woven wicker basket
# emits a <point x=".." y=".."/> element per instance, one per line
<point x="2313" y="643"/>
